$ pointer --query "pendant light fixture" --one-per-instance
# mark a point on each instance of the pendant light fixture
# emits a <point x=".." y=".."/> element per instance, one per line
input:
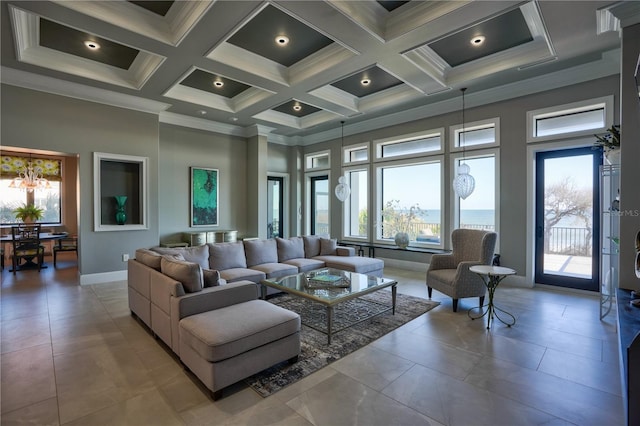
<point x="30" y="177"/>
<point x="342" y="190"/>
<point x="463" y="183"/>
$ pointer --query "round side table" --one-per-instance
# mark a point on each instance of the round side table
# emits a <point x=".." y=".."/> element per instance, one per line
<point x="491" y="276"/>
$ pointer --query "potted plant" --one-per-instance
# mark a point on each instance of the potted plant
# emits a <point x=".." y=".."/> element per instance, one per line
<point x="28" y="213"/>
<point x="610" y="142"/>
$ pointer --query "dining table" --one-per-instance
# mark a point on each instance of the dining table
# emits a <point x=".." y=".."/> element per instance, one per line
<point x="44" y="236"/>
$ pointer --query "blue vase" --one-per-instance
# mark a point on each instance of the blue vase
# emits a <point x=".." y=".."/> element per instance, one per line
<point x="121" y="214"/>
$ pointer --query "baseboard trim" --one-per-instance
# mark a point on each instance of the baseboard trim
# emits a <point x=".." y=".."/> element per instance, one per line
<point x="103" y="277"/>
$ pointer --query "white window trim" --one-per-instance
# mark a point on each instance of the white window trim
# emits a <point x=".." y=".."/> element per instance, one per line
<point x="285" y="202"/>
<point x="307" y="198"/>
<point x="379" y="143"/>
<point x="377" y="202"/>
<point x="586" y="105"/>
<point x="347" y="205"/>
<point x="356" y="147"/>
<point x="455" y="200"/>
<point x="455" y="130"/>
<point x="317" y="154"/>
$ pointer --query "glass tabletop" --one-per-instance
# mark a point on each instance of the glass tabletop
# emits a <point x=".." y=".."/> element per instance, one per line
<point x="328" y="285"/>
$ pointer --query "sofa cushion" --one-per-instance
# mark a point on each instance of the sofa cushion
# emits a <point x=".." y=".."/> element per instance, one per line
<point x="258" y="252"/>
<point x="210" y="278"/>
<point x="233" y="330"/>
<point x="290" y="248"/>
<point x="188" y="273"/>
<point x="361" y="265"/>
<point x="311" y="246"/>
<point x="305" y="265"/>
<point x="199" y="254"/>
<point x="328" y="246"/>
<point x="149" y="258"/>
<point x="226" y="256"/>
<point x="240" y="274"/>
<point x="275" y="270"/>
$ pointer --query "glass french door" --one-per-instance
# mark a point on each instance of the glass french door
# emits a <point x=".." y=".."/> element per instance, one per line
<point x="319" y="205"/>
<point x="568" y="218"/>
<point x="275" y="206"/>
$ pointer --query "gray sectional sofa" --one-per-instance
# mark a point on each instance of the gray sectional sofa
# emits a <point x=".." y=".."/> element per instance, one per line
<point x="203" y="301"/>
<point x="255" y="260"/>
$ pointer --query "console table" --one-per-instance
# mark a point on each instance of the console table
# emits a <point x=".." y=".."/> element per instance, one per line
<point x="360" y="246"/>
<point x="629" y="340"/>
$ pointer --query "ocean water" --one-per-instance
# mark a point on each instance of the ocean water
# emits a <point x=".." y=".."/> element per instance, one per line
<point x="468" y="217"/>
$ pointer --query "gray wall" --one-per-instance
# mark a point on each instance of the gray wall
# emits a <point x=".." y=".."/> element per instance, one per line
<point x="630" y="146"/>
<point x="181" y="148"/>
<point x="513" y="159"/>
<point x="37" y="120"/>
<point x="278" y="160"/>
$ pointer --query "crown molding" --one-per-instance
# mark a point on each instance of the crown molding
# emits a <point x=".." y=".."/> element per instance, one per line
<point x="27" y="80"/>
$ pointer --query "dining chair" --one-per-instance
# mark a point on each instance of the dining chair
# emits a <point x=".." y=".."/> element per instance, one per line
<point x="65" y="244"/>
<point x="26" y="247"/>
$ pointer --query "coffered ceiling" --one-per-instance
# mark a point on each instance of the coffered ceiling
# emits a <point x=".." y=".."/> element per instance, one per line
<point x="296" y="68"/>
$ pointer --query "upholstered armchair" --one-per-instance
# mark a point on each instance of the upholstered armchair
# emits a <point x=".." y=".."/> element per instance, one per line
<point x="449" y="273"/>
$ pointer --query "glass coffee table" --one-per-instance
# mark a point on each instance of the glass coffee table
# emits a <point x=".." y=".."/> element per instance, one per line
<point x="330" y="287"/>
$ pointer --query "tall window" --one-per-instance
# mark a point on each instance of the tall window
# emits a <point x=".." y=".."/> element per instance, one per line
<point x="47" y="199"/>
<point x="478" y="210"/>
<point x="275" y="206"/>
<point x="356" y="207"/>
<point x="402" y="208"/>
<point x="319" y="203"/>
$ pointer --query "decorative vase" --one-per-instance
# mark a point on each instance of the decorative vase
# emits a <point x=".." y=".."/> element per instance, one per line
<point x="402" y="240"/>
<point x="121" y="214"/>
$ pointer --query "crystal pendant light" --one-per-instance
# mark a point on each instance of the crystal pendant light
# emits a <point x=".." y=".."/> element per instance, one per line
<point x="463" y="183"/>
<point x="30" y="178"/>
<point x="342" y="190"/>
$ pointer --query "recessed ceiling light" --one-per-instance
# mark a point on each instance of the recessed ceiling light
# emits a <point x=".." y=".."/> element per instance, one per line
<point x="282" y="40"/>
<point x="477" y="40"/>
<point x="202" y="112"/>
<point x="92" y="45"/>
<point x="218" y="83"/>
<point x="297" y="107"/>
<point x="234" y="119"/>
<point x="365" y="81"/>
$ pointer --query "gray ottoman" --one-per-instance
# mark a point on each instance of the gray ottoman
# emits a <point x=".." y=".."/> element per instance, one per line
<point x="226" y="345"/>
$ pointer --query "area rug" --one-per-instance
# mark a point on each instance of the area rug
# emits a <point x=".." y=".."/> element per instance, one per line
<point x="315" y="353"/>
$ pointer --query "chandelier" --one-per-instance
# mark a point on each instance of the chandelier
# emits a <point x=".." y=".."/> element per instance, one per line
<point x="463" y="183"/>
<point x="30" y="178"/>
<point x="342" y="189"/>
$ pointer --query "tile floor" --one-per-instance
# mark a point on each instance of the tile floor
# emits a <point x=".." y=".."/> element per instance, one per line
<point x="73" y="355"/>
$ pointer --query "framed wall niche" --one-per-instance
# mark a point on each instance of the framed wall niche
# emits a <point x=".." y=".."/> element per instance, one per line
<point x="115" y="177"/>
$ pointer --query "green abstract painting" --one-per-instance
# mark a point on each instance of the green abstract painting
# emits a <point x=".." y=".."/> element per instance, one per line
<point x="204" y="196"/>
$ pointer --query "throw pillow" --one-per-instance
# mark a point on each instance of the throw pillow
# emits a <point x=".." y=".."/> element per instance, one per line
<point x="199" y="254"/>
<point x="187" y="273"/>
<point x="328" y="246"/>
<point x="211" y="278"/>
<point x="290" y="248"/>
<point x="149" y="258"/>
<point x="258" y="252"/>
<point x="223" y="256"/>
<point x="311" y="246"/>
